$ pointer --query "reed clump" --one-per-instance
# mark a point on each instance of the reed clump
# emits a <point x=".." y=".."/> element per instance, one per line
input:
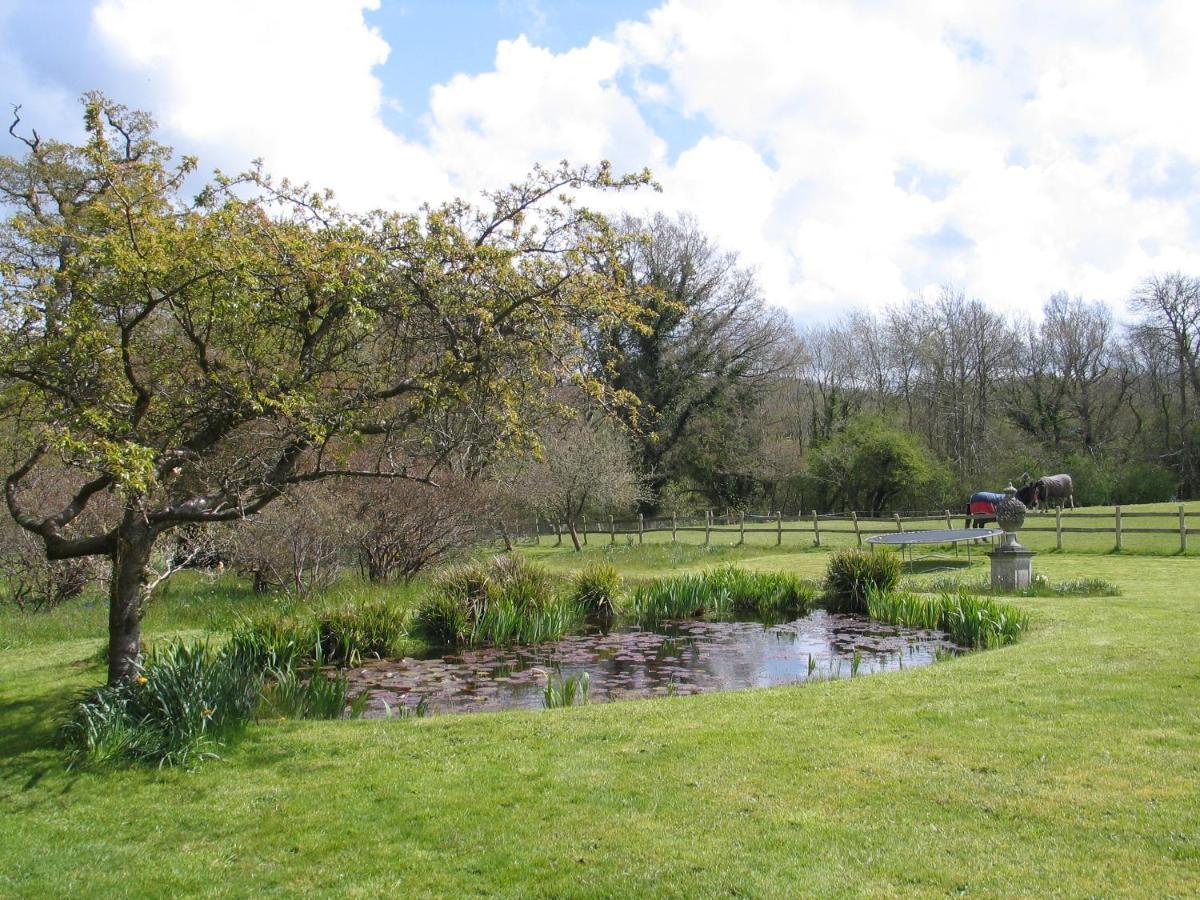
<point x="720" y="592"/>
<point x="852" y="573"/>
<point x="970" y="621"/>
<point x="505" y="600"/>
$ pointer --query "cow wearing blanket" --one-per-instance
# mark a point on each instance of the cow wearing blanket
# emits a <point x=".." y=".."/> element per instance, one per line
<point x="1047" y="489"/>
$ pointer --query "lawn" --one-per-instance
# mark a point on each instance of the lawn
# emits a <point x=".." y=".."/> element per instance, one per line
<point x="1039" y="533"/>
<point x="1066" y="764"/>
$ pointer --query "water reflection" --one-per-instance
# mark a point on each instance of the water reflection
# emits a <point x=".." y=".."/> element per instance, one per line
<point x="678" y="658"/>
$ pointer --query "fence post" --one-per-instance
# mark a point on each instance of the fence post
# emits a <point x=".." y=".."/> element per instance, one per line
<point x="557" y="535"/>
<point x="816" y="529"/>
<point x="537" y="531"/>
<point x="1182" y="530"/>
<point x="707" y="525"/>
<point x="950" y="527"/>
<point x="742" y="528"/>
<point x="779" y="528"/>
<point x="641" y="525"/>
<point x="899" y="524"/>
<point x="1119" y="541"/>
<point x="1058" y="528"/>
<point x="585" y="530"/>
<point x="857" y="533"/>
<point x="612" y="530"/>
<point x="674" y="528"/>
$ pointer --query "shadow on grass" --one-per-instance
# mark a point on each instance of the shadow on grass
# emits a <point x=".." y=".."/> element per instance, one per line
<point x="921" y="566"/>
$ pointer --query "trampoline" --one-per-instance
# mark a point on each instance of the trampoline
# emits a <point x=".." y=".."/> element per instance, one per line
<point x="910" y="539"/>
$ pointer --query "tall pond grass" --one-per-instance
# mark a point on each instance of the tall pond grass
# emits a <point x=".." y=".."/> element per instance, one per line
<point x="505" y="600"/>
<point x="719" y="593"/>
<point x="970" y="621"/>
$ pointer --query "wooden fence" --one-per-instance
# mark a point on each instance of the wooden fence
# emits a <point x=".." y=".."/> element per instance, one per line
<point x="861" y="525"/>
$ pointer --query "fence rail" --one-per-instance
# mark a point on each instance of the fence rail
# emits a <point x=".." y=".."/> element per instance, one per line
<point x="861" y="525"/>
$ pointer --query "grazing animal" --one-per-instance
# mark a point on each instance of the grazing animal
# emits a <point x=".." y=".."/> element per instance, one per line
<point x="982" y="509"/>
<point x="1049" y="488"/>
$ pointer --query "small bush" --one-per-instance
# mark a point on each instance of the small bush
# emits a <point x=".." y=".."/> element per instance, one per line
<point x="976" y="622"/>
<point x="852" y="573"/>
<point x="597" y="588"/>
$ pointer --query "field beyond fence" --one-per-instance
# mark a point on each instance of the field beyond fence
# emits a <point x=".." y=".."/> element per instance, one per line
<point x="1159" y="529"/>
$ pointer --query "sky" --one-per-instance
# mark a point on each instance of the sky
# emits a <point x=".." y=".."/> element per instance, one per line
<point x="855" y="153"/>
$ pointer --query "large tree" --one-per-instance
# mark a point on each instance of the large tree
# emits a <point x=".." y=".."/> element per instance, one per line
<point x="711" y="334"/>
<point x="195" y="358"/>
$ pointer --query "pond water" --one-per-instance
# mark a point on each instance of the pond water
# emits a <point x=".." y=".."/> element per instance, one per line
<point x="686" y="657"/>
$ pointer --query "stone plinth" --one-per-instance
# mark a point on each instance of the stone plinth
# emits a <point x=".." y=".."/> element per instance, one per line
<point x="1012" y="565"/>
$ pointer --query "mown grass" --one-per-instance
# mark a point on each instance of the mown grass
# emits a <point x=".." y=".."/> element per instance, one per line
<point x="1037" y="535"/>
<point x="1040" y="586"/>
<point x="1063" y="764"/>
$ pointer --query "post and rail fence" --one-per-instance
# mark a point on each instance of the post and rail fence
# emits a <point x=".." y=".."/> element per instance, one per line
<point x="739" y="525"/>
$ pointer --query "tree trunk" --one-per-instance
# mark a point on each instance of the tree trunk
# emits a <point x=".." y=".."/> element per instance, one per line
<point x="574" y="535"/>
<point x="135" y="541"/>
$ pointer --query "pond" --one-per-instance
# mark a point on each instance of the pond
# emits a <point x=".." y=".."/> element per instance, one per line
<point x="685" y="657"/>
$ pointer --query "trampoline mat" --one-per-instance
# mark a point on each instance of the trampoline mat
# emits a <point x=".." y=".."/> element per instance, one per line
<point x="944" y="536"/>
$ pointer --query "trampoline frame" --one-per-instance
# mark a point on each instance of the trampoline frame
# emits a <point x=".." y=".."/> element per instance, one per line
<point x="935" y="538"/>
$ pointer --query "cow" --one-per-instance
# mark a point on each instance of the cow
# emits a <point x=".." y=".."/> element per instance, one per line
<point x="1048" y="488"/>
<point x="981" y="509"/>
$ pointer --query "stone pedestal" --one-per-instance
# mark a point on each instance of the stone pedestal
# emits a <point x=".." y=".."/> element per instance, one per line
<point x="1012" y="565"/>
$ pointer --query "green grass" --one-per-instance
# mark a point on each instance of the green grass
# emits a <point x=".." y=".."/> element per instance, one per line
<point x="1037" y="535"/>
<point x="1066" y="763"/>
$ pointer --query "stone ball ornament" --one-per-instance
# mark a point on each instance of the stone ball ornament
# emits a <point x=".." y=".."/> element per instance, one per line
<point x="1010" y="512"/>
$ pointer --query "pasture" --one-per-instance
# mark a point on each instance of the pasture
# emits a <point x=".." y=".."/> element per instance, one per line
<point x="1096" y="530"/>
<point x="1066" y="763"/>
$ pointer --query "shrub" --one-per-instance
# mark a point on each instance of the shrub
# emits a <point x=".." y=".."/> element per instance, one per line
<point x="597" y="588"/>
<point x="504" y="600"/>
<point x="186" y="697"/>
<point x="852" y="573"/>
<point x="976" y="622"/>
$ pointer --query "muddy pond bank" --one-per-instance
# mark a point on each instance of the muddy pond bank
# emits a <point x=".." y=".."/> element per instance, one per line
<point x="687" y="657"/>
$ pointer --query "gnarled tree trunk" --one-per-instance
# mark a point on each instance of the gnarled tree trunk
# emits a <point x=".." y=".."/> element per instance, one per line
<point x="130" y="563"/>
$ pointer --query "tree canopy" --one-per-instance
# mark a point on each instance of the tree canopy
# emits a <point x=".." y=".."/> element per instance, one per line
<point x="196" y="356"/>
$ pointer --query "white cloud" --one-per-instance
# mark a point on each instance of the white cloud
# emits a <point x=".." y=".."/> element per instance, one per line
<point x="538" y="106"/>
<point x="290" y="81"/>
<point x="853" y="152"/>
